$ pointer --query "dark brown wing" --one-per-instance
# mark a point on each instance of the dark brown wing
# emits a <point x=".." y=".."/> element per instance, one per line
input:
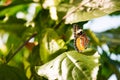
<point x="75" y="27"/>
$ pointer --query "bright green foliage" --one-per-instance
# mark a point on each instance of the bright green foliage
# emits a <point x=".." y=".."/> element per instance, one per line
<point x="38" y="35"/>
<point x="69" y="66"/>
<point x="49" y="44"/>
<point x="92" y="9"/>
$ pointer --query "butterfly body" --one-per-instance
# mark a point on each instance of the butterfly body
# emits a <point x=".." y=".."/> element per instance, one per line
<point x="80" y="39"/>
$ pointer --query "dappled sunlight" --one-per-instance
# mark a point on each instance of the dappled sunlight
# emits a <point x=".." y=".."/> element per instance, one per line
<point x="36" y="0"/>
<point x="3" y="48"/>
<point x="20" y="15"/>
<point x="99" y="49"/>
<point x="39" y="37"/>
<point x="112" y="56"/>
<point x="115" y="57"/>
<point x="30" y="13"/>
<point x="53" y="13"/>
<point x="48" y="3"/>
<point x="96" y="55"/>
<point x="106" y="48"/>
<point x="53" y="46"/>
<point x="3" y="40"/>
<point x="94" y="73"/>
<point x="95" y="70"/>
<point x="103" y="23"/>
<point x="112" y="77"/>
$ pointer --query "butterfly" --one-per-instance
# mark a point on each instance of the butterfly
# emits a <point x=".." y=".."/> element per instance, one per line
<point x="80" y="39"/>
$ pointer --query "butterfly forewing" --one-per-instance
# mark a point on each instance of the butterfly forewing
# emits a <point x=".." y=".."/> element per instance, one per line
<point x="80" y="39"/>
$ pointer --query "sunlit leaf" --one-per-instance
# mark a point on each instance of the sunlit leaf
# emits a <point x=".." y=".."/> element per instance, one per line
<point x="19" y="19"/>
<point x="70" y="66"/>
<point x="50" y="3"/>
<point x="50" y="43"/>
<point x="12" y="10"/>
<point x="86" y="10"/>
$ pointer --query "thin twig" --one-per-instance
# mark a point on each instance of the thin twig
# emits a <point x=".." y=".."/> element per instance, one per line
<point x="57" y="26"/>
<point x="74" y="10"/>
<point x="19" y="48"/>
<point x="67" y="15"/>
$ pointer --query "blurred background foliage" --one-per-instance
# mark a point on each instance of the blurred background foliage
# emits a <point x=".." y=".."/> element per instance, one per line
<point x="37" y="43"/>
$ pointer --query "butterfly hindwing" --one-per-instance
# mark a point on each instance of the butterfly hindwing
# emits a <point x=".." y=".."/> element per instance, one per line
<point x="80" y="39"/>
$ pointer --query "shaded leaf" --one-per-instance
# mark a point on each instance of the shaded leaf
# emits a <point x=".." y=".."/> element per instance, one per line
<point x="70" y="66"/>
<point x="65" y="32"/>
<point x="34" y="57"/>
<point x="11" y="73"/>
<point x="13" y="25"/>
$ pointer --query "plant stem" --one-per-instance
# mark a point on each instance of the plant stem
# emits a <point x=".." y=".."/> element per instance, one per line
<point x="19" y="48"/>
<point x="57" y="26"/>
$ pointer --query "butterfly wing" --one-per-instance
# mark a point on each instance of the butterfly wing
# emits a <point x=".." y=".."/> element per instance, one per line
<point x="81" y="40"/>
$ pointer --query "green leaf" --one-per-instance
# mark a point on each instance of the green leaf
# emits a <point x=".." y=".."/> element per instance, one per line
<point x="13" y="10"/>
<point x="86" y="10"/>
<point x="47" y="4"/>
<point x="70" y="66"/>
<point x="34" y="57"/>
<point x="11" y="73"/>
<point x="49" y="44"/>
<point x="65" y="31"/>
<point x="14" y="3"/>
<point x="14" y="25"/>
